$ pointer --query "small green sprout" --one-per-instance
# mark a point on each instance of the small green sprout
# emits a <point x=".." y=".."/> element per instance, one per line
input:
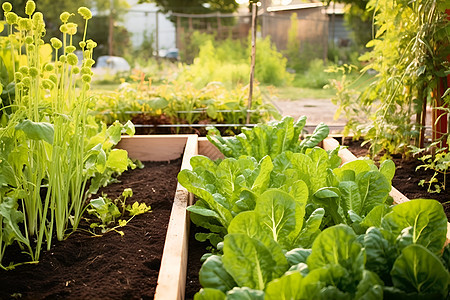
<point x="30" y="7"/>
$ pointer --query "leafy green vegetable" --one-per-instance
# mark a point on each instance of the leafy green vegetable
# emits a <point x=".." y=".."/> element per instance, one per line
<point x="418" y="270"/>
<point x="213" y="275"/>
<point x="269" y="139"/>
<point x="425" y="220"/>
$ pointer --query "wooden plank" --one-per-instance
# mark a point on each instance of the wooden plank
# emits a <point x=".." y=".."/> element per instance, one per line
<point x="346" y="156"/>
<point x="172" y="274"/>
<point x="207" y="149"/>
<point x="154" y="147"/>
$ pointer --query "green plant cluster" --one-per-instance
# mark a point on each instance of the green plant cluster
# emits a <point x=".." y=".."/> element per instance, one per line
<point x="300" y="226"/>
<point x="409" y="53"/>
<point x="52" y="153"/>
<point x="228" y="62"/>
<point x="182" y="103"/>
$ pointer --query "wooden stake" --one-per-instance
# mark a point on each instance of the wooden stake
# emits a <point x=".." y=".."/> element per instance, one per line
<point x="252" y="65"/>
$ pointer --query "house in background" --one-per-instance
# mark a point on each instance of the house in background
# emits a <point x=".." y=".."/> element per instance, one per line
<point x="144" y="20"/>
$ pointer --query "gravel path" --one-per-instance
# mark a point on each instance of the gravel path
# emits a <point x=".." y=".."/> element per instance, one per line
<point x="316" y="111"/>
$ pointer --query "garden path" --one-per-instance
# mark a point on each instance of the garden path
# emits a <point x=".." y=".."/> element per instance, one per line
<point x="315" y="110"/>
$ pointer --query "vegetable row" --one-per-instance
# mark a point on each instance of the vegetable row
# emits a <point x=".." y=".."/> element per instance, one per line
<point x="288" y="222"/>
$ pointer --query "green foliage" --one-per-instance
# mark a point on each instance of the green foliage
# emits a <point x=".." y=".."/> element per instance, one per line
<point x="228" y="61"/>
<point x="182" y="103"/>
<point x="51" y="150"/>
<point x="109" y="210"/>
<point x="270" y="139"/>
<point x="409" y="55"/>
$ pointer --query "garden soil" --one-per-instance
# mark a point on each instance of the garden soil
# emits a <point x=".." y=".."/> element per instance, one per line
<point x="111" y="266"/>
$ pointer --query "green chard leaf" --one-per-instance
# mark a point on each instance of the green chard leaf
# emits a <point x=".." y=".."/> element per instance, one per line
<point x="213" y="275"/>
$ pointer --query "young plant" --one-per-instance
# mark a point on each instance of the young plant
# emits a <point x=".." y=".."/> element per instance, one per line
<point x="112" y="212"/>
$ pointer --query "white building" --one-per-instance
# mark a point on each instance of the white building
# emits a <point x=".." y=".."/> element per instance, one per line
<point x="144" y="19"/>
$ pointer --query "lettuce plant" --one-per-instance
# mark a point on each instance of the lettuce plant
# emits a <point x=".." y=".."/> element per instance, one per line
<point x="401" y="258"/>
<point x="270" y="139"/>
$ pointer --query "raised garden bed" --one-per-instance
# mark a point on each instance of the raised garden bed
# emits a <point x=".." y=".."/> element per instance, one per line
<point x="128" y="266"/>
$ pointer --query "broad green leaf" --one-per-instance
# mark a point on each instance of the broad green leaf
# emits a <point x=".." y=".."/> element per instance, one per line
<point x="374" y="189"/>
<point x="247" y="201"/>
<point x="117" y="160"/>
<point x="320" y="133"/>
<point x="374" y="217"/>
<point x="211" y="111"/>
<point x="209" y="294"/>
<point x="419" y="270"/>
<point x="195" y="184"/>
<point x="387" y="168"/>
<point x="298" y="255"/>
<point x="244" y="293"/>
<point x="203" y="211"/>
<point x="11" y="219"/>
<point x="276" y="211"/>
<point x="357" y="166"/>
<point x="158" y="103"/>
<point x="350" y="197"/>
<point x="261" y="182"/>
<point x="285" y="288"/>
<point x="248" y="261"/>
<point x="370" y="287"/>
<point x="249" y="223"/>
<point x="311" y="229"/>
<point x="37" y="130"/>
<point x="336" y="246"/>
<point x="114" y="134"/>
<point x="379" y="254"/>
<point x="95" y="160"/>
<point x="213" y="275"/>
<point x="426" y="218"/>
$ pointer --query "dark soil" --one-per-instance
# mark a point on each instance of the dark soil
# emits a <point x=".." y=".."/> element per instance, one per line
<point x="196" y="251"/>
<point x="111" y="266"/>
<point x="406" y="178"/>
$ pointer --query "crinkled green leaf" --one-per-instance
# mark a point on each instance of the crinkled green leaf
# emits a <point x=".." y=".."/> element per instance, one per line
<point x="286" y="287"/>
<point x="248" y="261"/>
<point x="117" y="160"/>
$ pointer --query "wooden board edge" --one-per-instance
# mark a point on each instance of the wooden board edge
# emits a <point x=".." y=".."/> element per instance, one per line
<point x="207" y="149"/>
<point x="155" y="147"/>
<point x="172" y="275"/>
<point x="346" y="156"/>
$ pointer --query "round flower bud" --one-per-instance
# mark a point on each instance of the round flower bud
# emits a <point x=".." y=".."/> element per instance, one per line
<point x="89" y="62"/>
<point x="38" y="18"/>
<point x="53" y="78"/>
<point x="30" y="7"/>
<point x="82" y="44"/>
<point x="87" y="86"/>
<point x="76" y="70"/>
<point x="19" y="85"/>
<point x="33" y="72"/>
<point x="64" y="17"/>
<point x="63" y="58"/>
<point x="18" y="76"/>
<point x="11" y="18"/>
<point x="31" y="48"/>
<point x="63" y="28"/>
<point x="85" y="13"/>
<point x="56" y="43"/>
<point x="49" y="67"/>
<point x="48" y="84"/>
<point x="71" y="28"/>
<point x="29" y="40"/>
<point x="70" y="49"/>
<point x="72" y="59"/>
<point x="86" y="78"/>
<point x="85" y="70"/>
<point x="7" y="7"/>
<point x="23" y="70"/>
<point x="26" y="81"/>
